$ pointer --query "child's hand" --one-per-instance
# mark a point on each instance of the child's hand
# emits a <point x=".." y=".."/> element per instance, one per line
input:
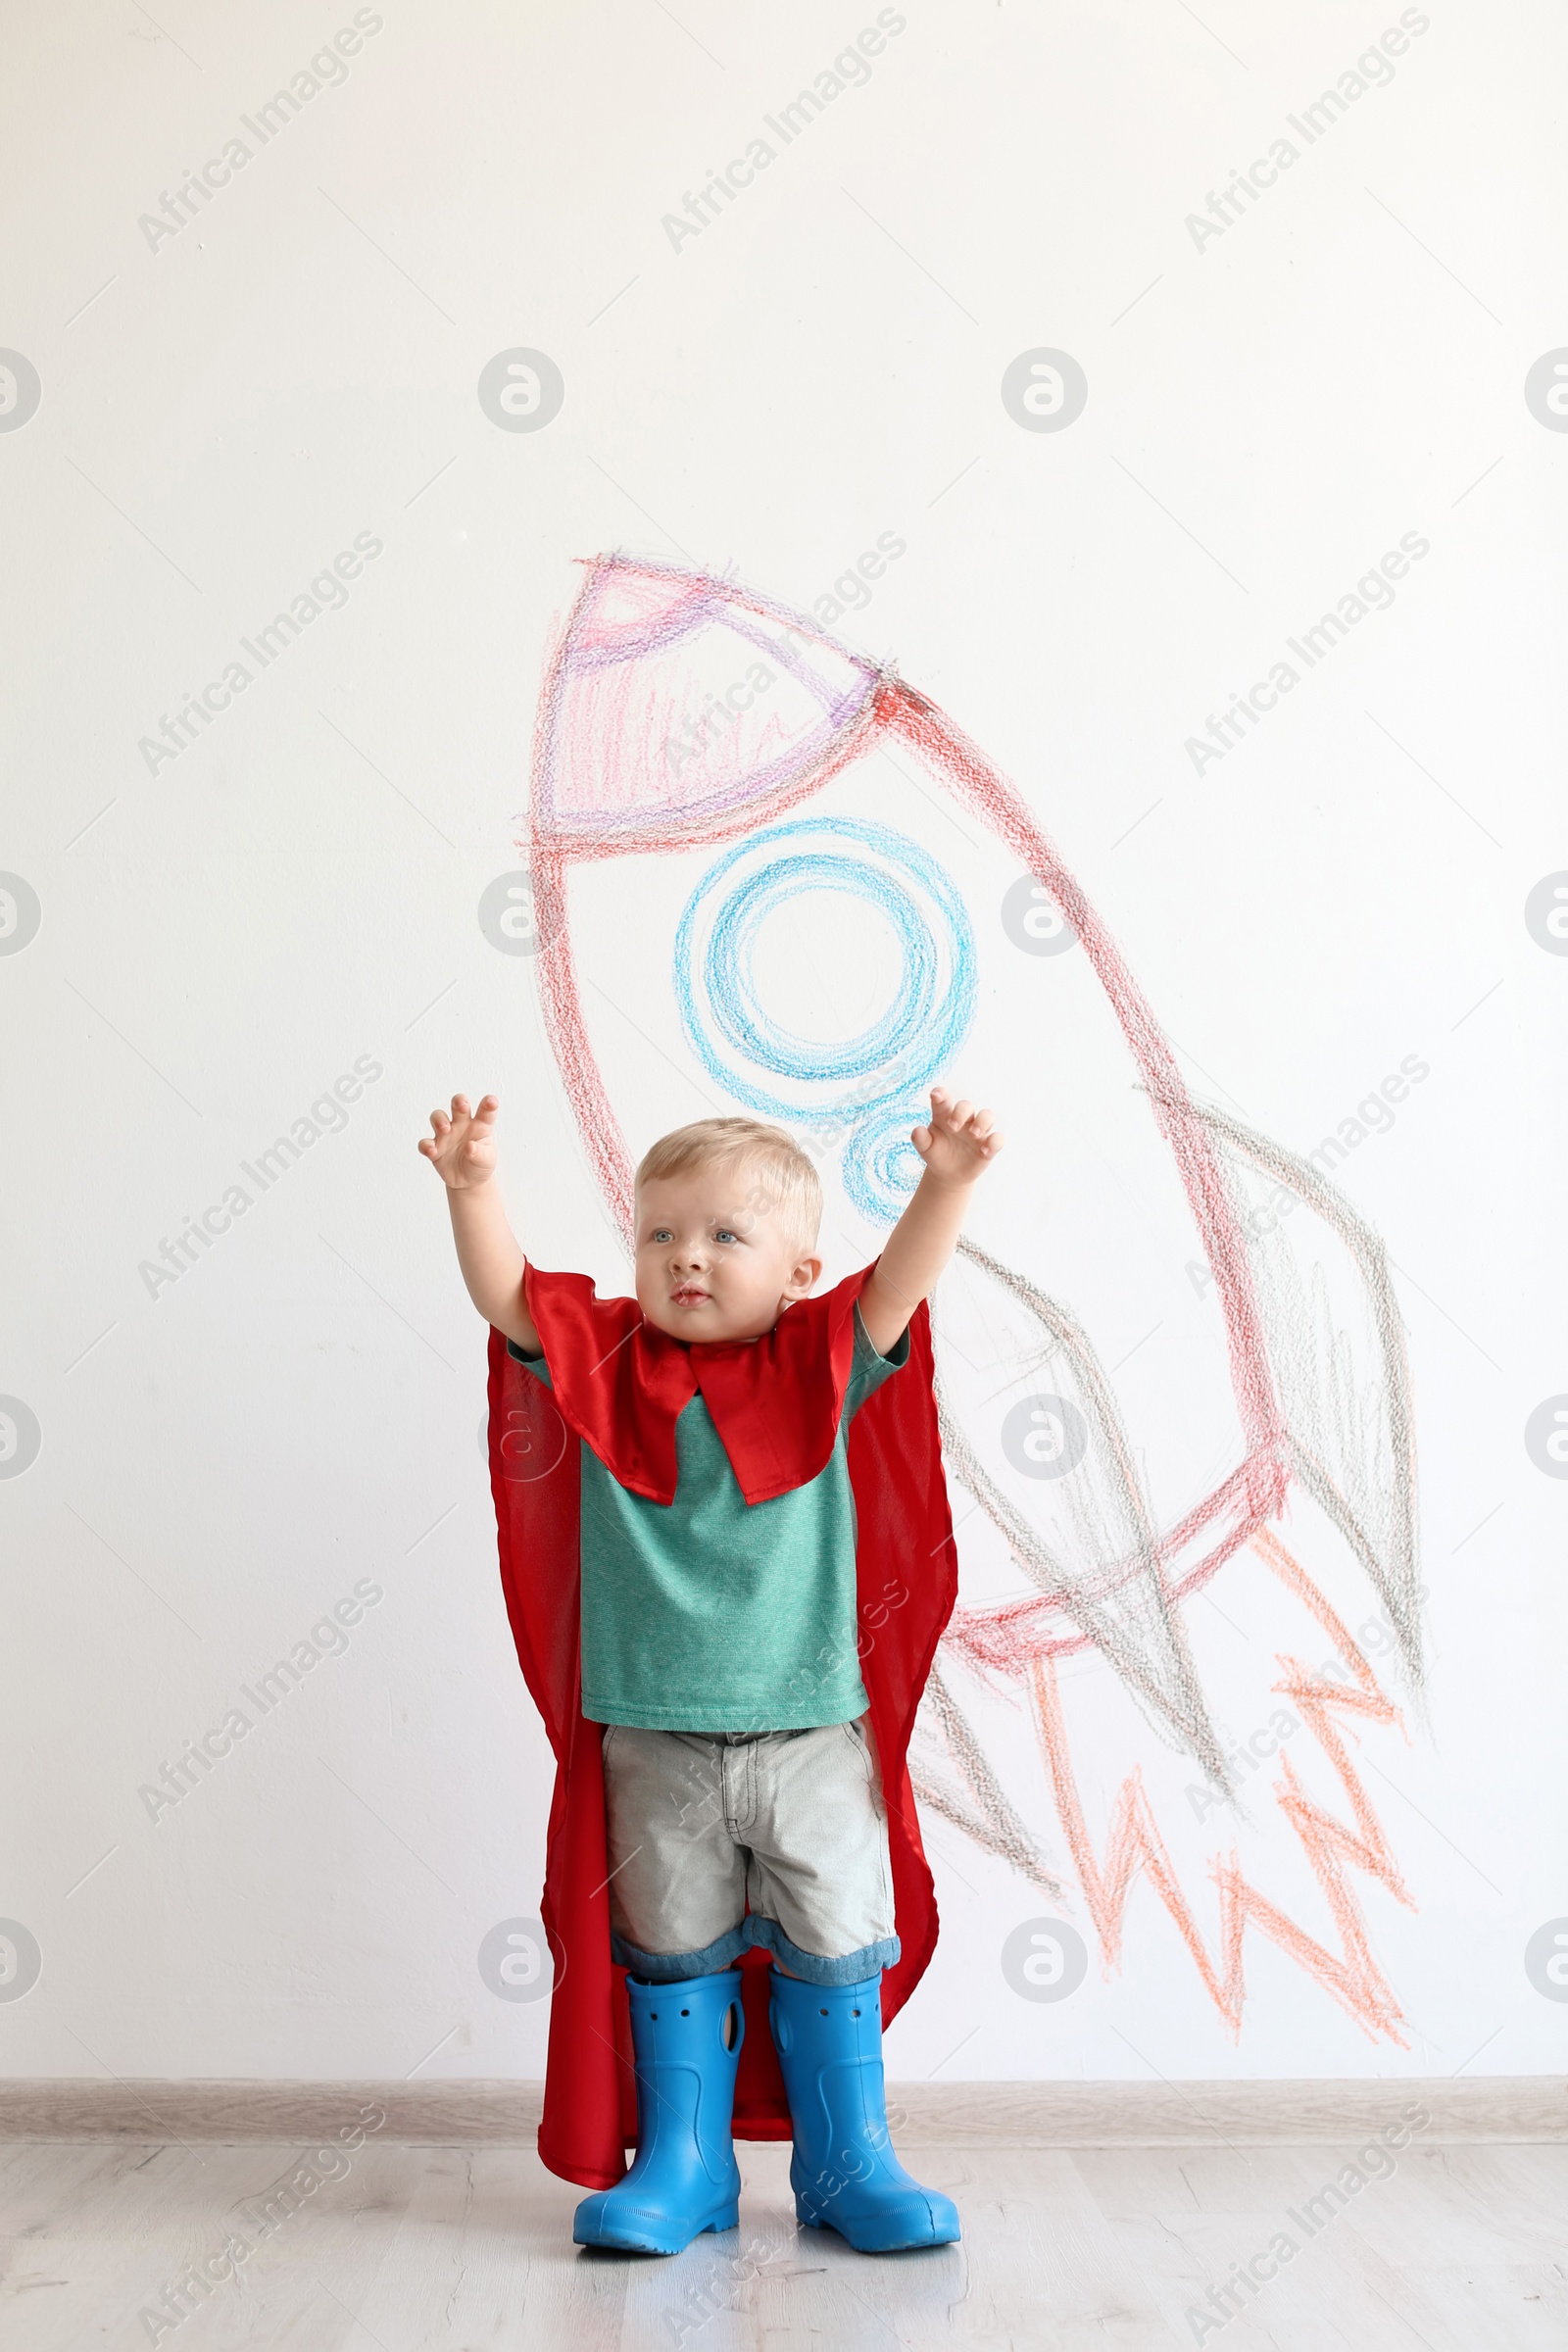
<point x="960" y="1141"/>
<point x="462" y="1150"/>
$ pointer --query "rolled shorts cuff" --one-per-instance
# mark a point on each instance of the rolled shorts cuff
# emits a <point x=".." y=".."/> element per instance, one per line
<point x="674" y="1968"/>
<point x="854" y="1968"/>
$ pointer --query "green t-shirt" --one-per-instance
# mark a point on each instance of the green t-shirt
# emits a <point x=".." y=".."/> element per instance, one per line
<point x="713" y="1614"/>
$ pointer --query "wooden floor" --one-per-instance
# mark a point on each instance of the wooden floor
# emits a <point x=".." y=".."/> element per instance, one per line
<point x="1460" y="2249"/>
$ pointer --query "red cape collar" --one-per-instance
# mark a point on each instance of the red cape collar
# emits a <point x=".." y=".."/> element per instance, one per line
<point x="620" y="1383"/>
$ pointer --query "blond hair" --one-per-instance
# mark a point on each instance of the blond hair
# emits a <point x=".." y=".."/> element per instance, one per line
<point x="791" y="1183"/>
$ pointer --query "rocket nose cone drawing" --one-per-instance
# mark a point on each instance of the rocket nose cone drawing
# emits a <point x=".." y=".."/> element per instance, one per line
<point x="674" y="701"/>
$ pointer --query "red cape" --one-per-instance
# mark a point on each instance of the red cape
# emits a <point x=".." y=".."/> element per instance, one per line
<point x="617" y="1384"/>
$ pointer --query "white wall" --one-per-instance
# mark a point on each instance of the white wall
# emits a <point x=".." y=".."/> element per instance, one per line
<point x="1270" y="410"/>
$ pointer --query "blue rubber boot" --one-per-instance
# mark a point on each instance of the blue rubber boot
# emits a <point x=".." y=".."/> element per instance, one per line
<point x="684" y="2178"/>
<point x="844" y="2172"/>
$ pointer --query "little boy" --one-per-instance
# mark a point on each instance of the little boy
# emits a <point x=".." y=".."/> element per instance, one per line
<point x="720" y="1647"/>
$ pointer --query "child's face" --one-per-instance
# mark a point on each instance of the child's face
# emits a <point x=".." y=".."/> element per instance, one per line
<point x="716" y="1258"/>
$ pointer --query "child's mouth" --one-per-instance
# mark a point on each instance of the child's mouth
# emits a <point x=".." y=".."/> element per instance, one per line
<point x="688" y="1296"/>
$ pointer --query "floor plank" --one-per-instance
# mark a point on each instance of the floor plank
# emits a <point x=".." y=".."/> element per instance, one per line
<point x="468" y="2249"/>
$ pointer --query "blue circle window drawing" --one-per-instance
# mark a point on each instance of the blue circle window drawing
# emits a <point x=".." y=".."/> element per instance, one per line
<point x="862" y="1087"/>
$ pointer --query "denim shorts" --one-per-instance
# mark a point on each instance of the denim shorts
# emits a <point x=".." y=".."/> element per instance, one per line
<point x="720" y="1840"/>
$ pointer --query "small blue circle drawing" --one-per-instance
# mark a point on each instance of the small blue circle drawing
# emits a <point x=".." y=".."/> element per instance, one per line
<point x="880" y="1167"/>
<point x="864" y="1087"/>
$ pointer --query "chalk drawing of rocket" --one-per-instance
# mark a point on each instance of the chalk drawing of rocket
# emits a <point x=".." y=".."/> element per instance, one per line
<point x="1102" y="1492"/>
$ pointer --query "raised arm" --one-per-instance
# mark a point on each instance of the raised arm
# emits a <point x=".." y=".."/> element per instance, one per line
<point x="957" y="1148"/>
<point x="462" y="1153"/>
